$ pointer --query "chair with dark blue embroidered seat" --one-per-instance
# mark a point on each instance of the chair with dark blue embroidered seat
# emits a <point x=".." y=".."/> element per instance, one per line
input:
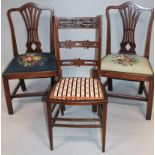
<point x="34" y="63"/>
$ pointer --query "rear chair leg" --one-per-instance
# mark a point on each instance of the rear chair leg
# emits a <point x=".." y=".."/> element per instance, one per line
<point x="94" y="108"/>
<point x="150" y="99"/>
<point x="110" y="88"/>
<point x="22" y="83"/>
<point x="52" y="81"/>
<point x="95" y="75"/>
<point x="141" y="87"/>
<point x="50" y="127"/>
<point x="62" y="109"/>
<point x="7" y="95"/>
<point x="104" y="118"/>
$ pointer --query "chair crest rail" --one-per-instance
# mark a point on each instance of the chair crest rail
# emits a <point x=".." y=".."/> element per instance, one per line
<point x="84" y="22"/>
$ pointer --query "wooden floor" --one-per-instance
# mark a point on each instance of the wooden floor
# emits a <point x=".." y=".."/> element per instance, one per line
<point x="128" y="132"/>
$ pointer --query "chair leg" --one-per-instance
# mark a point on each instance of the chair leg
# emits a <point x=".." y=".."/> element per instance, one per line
<point x="141" y="87"/>
<point x="94" y="108"/>
<point x="52" y="81"/>
<point x="22" y="83"/>
<point x="62" y="109"/>
<point x="150" y="99"/>
<point x="50" y="127"/>
<point x="7" y="95"/>
<point x="104" y="118"/>
<point x="110" y="88"/>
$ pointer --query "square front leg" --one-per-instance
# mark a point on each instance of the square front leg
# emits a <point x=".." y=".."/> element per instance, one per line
<point x="7" y="94"/>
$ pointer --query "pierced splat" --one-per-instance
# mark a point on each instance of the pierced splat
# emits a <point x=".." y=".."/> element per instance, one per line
<point x="31" y="16"/>
<point x="130" y="15"/>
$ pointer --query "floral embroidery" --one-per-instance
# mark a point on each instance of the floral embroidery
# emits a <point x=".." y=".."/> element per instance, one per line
<point x="32" y="59"/>
<point x="125" y="60"/>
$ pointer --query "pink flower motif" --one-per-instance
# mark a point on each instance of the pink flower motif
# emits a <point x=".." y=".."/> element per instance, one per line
<point x="27" y="58"/>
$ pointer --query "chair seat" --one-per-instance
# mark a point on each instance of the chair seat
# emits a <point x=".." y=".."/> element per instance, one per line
<point x="77" y="89"/>
<point x="126" y="63"/>
<point x="32" y="63"/>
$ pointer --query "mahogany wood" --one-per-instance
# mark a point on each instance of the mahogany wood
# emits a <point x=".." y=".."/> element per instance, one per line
<point x="28" y="94"/>
<point x="30" y="13"/>
<point x="77" y="126"/>
<point x="52" y="114"/>
<point x="127" y="96"/>
<point x="130" y="13"/>
<point x="78" y="119"/>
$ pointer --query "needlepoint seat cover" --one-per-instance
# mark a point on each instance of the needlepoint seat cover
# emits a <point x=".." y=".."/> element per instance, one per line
<point x="32" y="62"/>
<point x="77" y="89"/>
<point x="126" y="63"/>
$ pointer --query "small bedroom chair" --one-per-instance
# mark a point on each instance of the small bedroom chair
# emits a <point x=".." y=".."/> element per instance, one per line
<point x="77" y="91"/>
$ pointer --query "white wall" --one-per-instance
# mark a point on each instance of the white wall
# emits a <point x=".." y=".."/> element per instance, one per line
<point x="69" y="8"/>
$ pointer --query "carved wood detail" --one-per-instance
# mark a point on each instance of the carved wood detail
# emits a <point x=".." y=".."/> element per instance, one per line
<point x="72" y="44"/>
<point x="78" y="62"/>
<point x="78" y="23"/>
<point x="130" y="15"/>
<point x="31" y="16"/>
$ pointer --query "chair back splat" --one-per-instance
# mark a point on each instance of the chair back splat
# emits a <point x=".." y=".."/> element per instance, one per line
<point x="130" y="13"/>
<point x="30" y="13"/>
<point x="79" y="23"/>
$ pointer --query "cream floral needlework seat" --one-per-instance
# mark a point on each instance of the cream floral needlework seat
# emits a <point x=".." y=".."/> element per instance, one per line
<point x="126" y="63"/>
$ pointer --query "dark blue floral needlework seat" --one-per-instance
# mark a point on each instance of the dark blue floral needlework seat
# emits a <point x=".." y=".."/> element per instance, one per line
<point x="32" y="62"/>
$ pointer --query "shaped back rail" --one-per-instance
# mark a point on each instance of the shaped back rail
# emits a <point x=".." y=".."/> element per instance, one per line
<point x="79" y="23"/>
<point x="130" y="13"/>
<point x="30" y="13"/>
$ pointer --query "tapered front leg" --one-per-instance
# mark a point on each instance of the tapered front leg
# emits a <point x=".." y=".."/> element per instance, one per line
<point x="104" y="119"/>
<point x="50" y="127"/>
<point x="150" y="99"/>
<point x="7" y="94"/>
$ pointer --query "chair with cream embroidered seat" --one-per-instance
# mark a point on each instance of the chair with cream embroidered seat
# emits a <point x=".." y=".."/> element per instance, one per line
<point x="35" y="63"/>
<point x="77" y="91"/>
<point x="127" y="65"/>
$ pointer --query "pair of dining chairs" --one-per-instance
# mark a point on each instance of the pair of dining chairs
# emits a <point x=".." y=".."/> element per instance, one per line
<point x="79" y="91"/>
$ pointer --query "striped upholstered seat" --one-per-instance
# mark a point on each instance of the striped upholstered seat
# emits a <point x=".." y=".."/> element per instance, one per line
<point x="77" y="89"/>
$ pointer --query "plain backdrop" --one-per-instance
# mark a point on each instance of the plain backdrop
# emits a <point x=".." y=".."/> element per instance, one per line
<point x="73" y="8"/>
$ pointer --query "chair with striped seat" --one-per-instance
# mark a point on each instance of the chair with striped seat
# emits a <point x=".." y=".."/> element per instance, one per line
<point x="77" y="91"/>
